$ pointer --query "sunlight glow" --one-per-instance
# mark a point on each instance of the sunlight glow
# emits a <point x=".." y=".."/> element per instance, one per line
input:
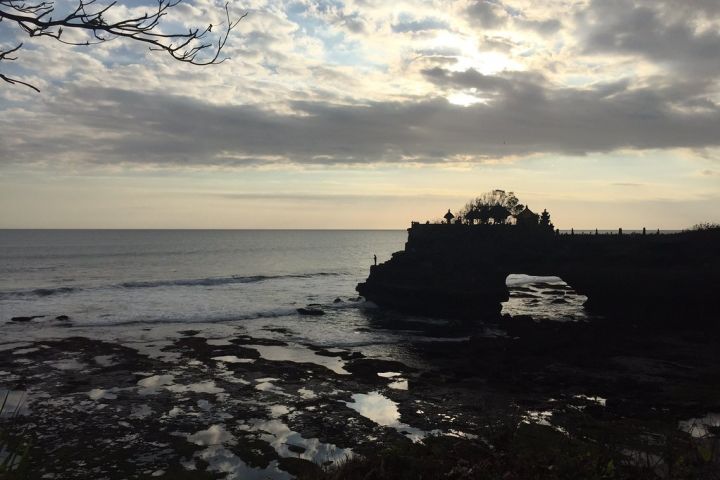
<point x="468" y="55"/>
<point x="487" y="63"/>
<point x="463" y="99"/>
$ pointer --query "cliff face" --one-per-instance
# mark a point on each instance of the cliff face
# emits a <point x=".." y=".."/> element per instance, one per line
<point x="459" y="271"/>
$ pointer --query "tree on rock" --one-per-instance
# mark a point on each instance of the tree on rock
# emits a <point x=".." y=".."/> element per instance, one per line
<point x="497" y="205"/>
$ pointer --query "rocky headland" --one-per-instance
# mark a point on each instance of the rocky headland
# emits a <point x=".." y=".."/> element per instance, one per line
<point x="459" y="271"/>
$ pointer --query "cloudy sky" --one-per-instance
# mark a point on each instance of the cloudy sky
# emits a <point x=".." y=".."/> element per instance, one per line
<point x="369" y="114"/>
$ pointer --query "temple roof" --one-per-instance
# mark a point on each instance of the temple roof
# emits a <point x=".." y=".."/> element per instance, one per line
<point x="526" y="213"/>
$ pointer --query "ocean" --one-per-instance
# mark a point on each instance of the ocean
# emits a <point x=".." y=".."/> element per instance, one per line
<point x="117" y="276"/>
<point x="105" y="278"/>
<point x="110" y="278"/>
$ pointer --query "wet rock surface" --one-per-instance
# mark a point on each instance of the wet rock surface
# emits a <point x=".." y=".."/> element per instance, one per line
<point x="26" y="319"/>
<point x="247" y="407"/>
<point x="101" y="410"/>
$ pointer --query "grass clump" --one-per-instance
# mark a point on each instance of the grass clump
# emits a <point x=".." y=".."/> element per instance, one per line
<point x="14" y="445"/>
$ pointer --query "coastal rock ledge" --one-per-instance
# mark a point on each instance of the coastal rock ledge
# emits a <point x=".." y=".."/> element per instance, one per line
<point x="459" y="271"/>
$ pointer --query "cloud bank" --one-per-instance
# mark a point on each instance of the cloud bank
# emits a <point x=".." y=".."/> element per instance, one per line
<point x="362" y="82"/>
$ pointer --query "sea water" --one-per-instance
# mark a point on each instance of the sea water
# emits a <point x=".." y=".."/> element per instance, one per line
<point x="139" y="278"/>
<point x="113" y="277"/>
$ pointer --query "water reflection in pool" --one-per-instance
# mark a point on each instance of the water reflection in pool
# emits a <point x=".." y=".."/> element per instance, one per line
<point x="288" y="443"/>
<point x="299" y="354"/>
<point x="384" y="411"/>
<point x="222" y="460"/>
<point x="700" y="427"/>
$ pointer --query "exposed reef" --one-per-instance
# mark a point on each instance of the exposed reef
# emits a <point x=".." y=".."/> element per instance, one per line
<point x="459" y="271"/>
<point x="195" y="405"/>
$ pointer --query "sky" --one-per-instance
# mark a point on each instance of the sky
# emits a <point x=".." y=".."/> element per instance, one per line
<point x="369" y="114"/>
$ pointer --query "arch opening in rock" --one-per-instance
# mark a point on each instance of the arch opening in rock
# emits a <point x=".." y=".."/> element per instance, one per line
<point x="543" y="298"/>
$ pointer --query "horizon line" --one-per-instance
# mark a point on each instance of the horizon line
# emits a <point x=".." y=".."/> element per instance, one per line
<point x="577" y="229"/>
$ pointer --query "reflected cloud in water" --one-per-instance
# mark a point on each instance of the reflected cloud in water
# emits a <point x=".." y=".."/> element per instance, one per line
<point x="288" y="443"/>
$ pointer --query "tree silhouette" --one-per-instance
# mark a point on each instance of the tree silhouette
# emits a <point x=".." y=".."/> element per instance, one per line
<point x="497" y="205"/>
<point x="39" y="19"/>
<point x="499" y="213"/>
<point x="545" y="220"/>
<point x="484" y="214"/>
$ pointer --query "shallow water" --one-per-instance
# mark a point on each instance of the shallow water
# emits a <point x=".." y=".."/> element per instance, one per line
<point x="299" y="354"/>
<point x="376" y="407"/>
<point x="282" y="439"/>
<point x="384" y="411"/>
<point x="700" y="427"/>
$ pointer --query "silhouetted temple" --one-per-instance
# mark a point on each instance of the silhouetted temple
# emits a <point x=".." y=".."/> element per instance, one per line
<point x="527" y="218"/>
<point x="459" y="270"/>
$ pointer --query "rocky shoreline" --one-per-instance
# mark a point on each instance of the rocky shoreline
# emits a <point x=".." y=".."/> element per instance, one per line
<point x="198" y="406"/>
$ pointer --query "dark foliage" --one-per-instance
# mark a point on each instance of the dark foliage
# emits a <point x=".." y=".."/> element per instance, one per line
<point x="496" y="205"/>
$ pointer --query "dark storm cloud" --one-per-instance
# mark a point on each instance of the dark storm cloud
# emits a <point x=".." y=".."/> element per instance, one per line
<point x="662" y="31"/>
<point x="524" y="115"/>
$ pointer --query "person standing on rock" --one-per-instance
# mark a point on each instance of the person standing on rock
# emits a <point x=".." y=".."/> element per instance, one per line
<point x="375" y="259"/>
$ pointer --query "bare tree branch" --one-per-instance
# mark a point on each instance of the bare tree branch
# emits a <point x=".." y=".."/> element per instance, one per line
<point x="36" y="20"/>
<point x="5" y="55"/>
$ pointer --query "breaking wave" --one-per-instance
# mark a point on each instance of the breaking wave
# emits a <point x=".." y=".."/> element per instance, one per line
<point x="38" y="292"/>
<point x="192" y="282"/>
<point x="218" y="280"/>
<point x="270" y="313"/>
